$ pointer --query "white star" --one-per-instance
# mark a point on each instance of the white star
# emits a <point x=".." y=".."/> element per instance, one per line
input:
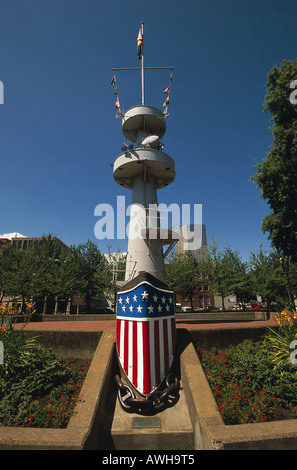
<point x="163" y="300"/>
<point x="155" y="298"/>
<point x="170" y="300"/>
<point x="167" y="308"/>
<point x="144" y="295"/>
<point x="159" y="308"/>
<point x="151" y="309"/>
<point x="131" y="308"/>
<point x="124" y="308"/>
<point x="135" y="298"/>
<point x="120" y="300"/>
<point x="139" y="309"/>
<point x="127" y="300"/>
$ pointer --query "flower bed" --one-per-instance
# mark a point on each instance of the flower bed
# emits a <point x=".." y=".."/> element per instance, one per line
<point x="247" y="386"/>
<point x="37" y="387"/>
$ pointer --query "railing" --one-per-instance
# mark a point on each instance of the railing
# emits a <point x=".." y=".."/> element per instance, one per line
<point x="151" y="218"/>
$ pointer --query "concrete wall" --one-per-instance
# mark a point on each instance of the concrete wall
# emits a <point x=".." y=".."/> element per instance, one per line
<point x="210" y="433"/>
<point x="90" y="427"/>
<point x="75" y="343"/>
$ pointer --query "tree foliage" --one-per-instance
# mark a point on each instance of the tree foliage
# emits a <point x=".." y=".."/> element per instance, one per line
<point x="276" y="174"/>
<point x="182" y="274"/>
<point x="266" y="275"/>
<point x="50" y="269"/>
<point x="220" y="269"/>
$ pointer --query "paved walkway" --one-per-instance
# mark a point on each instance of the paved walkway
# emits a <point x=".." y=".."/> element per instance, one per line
<point x="111" y="324"/>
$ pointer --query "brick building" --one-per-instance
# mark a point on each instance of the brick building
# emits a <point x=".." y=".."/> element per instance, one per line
<point x="193" y="238"/>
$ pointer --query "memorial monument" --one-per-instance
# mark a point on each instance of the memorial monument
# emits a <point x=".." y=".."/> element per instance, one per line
<point x="146" y="333"/>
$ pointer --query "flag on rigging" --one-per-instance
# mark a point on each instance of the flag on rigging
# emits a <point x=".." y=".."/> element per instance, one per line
<point x="113" y="80"/>
<point x="166" y="102"/>
<point x="117" y="105"/>
<point x="167" y="90"/>
<point x="140" y="42"/>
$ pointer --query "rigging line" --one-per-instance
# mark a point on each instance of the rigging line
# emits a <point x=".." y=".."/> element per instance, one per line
<point x="118" y="95"/>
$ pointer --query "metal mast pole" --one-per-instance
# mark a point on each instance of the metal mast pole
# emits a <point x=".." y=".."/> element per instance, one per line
<point x="142" y="68"/>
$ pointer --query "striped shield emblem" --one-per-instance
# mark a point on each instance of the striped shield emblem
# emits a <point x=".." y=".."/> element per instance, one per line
<point x="146" y="334"/>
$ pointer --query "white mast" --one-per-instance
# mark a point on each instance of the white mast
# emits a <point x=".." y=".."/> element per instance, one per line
<point x="144" y="170"/>
<point x="142" y="68"/>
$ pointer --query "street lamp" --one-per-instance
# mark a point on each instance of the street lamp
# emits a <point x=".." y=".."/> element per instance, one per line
<point x="285" y="264"/>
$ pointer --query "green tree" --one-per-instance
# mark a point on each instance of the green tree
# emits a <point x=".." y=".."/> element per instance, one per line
<point x="67" y="279"/>
<point x="48" y="269"/>
<point x="182" y="273"/>
<point x="266" y="275"/>
<point x="276" y="174"/>
<point x="220" y="267"/>
<point x="47" y="254"/>
<point x="240" y="279"/>
<point x="94" y="270"/>
<point x="18" y="271"/>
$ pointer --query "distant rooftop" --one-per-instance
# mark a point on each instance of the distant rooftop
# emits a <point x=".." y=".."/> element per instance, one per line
<point x="11" y="235"/>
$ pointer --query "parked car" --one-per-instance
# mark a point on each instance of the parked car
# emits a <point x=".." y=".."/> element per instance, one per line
<point x="186" y="309"/>
<point x="236" y="307"/>
<point x="255" y="306"/>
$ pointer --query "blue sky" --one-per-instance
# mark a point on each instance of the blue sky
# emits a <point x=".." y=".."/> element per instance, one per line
<point x="58" y="132"/>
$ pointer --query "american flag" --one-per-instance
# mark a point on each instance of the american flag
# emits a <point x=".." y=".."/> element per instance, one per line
<point x="146" y="335"/>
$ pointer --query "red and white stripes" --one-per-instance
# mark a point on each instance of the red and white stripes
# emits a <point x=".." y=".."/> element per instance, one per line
<point x="146" y="350"/>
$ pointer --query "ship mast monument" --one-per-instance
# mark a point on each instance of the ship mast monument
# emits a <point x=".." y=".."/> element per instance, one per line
<point x="146" y="334"/>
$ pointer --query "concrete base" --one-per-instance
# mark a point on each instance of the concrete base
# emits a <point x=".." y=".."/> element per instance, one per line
<point x="173" y="429"/>
<point x="170" y="429"/>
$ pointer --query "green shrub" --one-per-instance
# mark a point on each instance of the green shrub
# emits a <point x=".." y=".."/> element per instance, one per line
<point x="30" y="373"/>
<point x="38" y="374"/>
<point x="246" y="385"/>
<point x="280" y="341"/>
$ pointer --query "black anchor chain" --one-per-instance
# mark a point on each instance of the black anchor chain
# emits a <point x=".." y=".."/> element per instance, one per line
<point x="156" y="400"/>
